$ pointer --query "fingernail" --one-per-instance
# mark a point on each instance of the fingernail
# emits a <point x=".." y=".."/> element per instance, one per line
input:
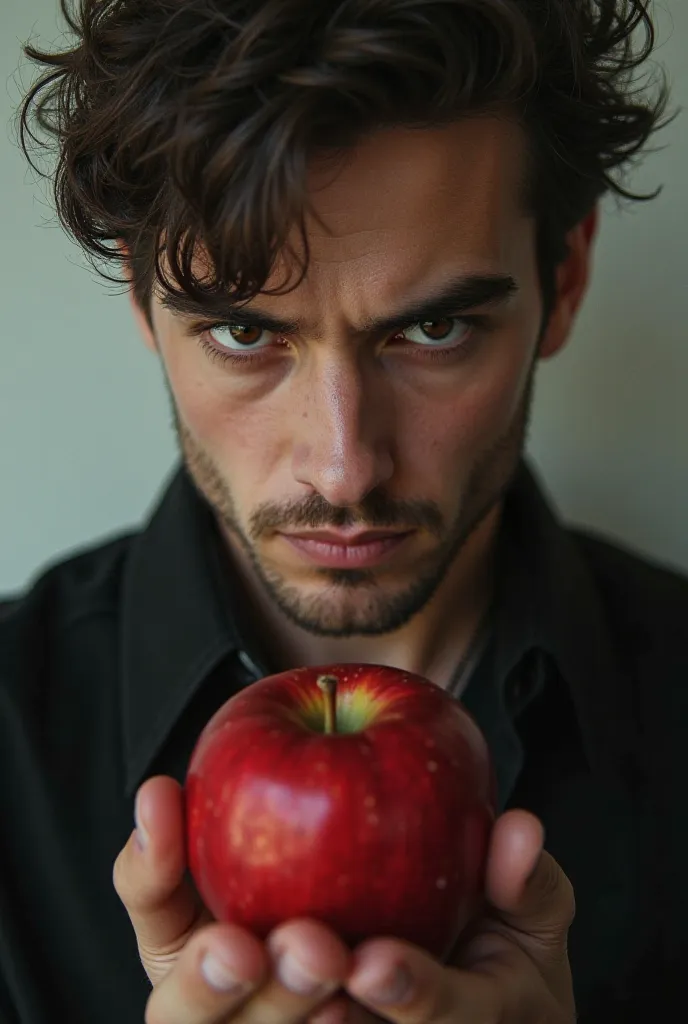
<point x="391" y="988"/>
<point x="141" y="834"/>
<point x="220" y="976"/>
<point x="295" y="977"/>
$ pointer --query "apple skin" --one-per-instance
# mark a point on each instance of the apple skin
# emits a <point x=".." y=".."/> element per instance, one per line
<point x="382" y="831"/>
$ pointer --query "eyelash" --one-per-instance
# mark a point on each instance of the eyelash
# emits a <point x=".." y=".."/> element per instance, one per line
<point x="200" y="332"/>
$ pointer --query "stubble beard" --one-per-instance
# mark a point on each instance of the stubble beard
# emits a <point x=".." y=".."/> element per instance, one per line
<point x="354" y="603"/>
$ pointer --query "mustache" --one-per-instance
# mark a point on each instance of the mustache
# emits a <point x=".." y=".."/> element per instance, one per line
<point x="376" y="512"/>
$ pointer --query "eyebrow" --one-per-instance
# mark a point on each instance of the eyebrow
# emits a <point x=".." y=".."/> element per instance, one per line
<point x="452" y="299"/>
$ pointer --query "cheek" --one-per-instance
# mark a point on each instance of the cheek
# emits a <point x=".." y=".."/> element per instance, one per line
<point x="490" y="408"/>
<point x="243" y="438"/>
<point x="239" y="431"/>
<point x="476" y="413"/>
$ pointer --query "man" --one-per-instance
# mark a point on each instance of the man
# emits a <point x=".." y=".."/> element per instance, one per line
<point x="425" y="176"/>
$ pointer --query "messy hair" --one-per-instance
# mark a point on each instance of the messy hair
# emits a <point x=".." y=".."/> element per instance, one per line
<point x="187" y="125"/>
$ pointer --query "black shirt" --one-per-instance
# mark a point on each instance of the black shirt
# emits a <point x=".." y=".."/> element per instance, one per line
<point x="113" y="661"/>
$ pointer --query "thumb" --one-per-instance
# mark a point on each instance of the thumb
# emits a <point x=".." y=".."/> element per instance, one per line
<point x="526" y="886"/>
<point x="162" y="904"/>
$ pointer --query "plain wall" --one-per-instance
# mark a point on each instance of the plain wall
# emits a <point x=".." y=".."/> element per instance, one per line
<point x="86" y="439"/>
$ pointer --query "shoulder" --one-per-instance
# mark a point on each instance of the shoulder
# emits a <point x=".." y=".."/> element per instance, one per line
<point x="645" y="604"/>
<point x="64" y="594"/>
<point x="638" y="589"/>
<point x="88" y="576"/>
<point x="618" y="566"/>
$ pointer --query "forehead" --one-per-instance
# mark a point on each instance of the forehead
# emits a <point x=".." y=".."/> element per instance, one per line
<point x="393" y="214"/>
<point x="404" y="201"/>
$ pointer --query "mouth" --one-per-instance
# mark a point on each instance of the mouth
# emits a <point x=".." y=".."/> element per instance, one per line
<point x="345" y="549"/>
<point x="345" y="538"/>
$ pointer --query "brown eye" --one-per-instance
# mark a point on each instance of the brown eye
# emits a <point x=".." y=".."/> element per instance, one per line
<point x="452" y="332"/>
<point x="245" y="335"/>
<point x="236" y="337"/>
<point x="437" y="330"/>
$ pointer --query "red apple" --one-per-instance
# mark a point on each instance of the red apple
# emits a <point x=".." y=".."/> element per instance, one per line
<point x="378" y="828"/>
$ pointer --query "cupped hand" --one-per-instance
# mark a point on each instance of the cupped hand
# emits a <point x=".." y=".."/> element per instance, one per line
<point x="203" y="971"/>
<point x="513" y="969"/>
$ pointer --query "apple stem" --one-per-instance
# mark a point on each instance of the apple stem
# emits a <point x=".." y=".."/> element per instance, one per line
<point x="328" y="685"/>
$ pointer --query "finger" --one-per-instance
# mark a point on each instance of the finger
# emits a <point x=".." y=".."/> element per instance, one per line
<point x="516" y="843"/>
<point x="406" y="985"/>
<point x="525" y="884"/>
<point x="216" y="972"/>
<point x="163" y="908"/>
<point x="342" y="1009"/>
<point x="309" y="964"/>
<point x="334" y="1011"/>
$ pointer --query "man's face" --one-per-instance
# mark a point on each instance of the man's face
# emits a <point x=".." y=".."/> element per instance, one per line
<point x="339" y="425"/>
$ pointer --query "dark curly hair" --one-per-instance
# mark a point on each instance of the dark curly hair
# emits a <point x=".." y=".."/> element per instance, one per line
<point x="187" y="122"/>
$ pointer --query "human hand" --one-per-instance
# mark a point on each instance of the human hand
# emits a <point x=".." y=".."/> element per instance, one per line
<point x="175" y="932"/>
<point x="514" y="967"/>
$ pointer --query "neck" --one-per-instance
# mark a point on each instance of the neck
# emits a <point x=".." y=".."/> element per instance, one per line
<point x="431" y="644"/>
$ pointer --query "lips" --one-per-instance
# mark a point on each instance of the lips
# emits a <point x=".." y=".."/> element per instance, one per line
<point x="346" y="550"/>
<point x="347" y="539"/>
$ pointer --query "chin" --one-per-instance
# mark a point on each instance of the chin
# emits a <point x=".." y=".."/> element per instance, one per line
<point x="362" y="609"/>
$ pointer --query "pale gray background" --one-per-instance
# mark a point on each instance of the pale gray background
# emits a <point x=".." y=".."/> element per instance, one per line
<point x="86" y="438"/>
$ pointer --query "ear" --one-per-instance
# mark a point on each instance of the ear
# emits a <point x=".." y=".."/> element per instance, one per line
<point x="571" y="284"/>
<point x="139" y="315"/>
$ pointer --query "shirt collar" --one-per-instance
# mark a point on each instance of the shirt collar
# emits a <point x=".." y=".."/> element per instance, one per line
<point x="176" y="624"/>
<point x="180" y="619"/>
<point x="548" y="600"/>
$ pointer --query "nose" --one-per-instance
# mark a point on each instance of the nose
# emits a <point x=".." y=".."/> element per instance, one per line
<point x="344" y="444"/>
